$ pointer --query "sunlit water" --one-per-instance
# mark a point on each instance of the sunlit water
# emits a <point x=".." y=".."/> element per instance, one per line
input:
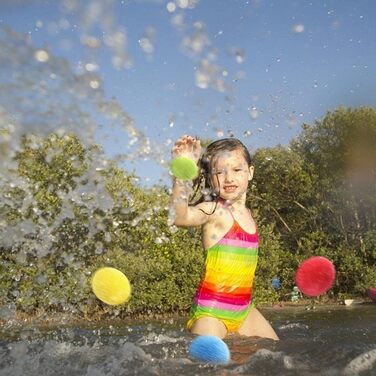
<point x="324" y="341"/>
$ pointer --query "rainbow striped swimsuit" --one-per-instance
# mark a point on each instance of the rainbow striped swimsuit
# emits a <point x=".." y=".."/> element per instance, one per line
<point x="225" y="292"/>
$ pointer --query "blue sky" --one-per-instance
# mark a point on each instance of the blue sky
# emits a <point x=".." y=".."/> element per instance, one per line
<point x="271" y="65"/>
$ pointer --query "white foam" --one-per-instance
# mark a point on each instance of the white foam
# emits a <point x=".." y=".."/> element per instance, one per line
<point x="153" y="338"/>
<point x="276" y="358"/>
<point x="293" y="326"/>
<point x="363" y="362"/>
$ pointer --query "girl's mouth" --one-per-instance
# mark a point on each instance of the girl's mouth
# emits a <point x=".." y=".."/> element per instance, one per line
<point x="229" y="188"/>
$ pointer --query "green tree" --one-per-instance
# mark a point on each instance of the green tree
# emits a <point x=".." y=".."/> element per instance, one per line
<point x="282" y="190"/>
<point x="341" y="147"/>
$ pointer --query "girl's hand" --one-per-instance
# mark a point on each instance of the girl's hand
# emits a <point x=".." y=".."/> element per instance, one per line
<point x="187" y="146"/>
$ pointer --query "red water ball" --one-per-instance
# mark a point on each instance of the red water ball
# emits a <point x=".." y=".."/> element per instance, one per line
<point x="315" y="276"/>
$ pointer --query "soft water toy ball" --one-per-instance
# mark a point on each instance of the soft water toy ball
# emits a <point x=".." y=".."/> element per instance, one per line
<point x="315" y="276"/>
<point x="276" y="283"/>
<point x="184" y="168"/>
<point x="209" y="349"/>
<point x="111" y="286"/>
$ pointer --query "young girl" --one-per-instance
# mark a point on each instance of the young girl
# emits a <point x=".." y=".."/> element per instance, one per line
<point x="223" y="301"/>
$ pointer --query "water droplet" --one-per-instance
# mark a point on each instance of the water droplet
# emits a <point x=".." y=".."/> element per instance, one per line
<point x="247" y="134"/>
<point x="94" y="84"/>
<point x="41" y="279"/>
<point x="146" y="45"/>
<point x="173" y="229"/>
<point x="239" y="56"/>
<point x="220" y="133"/>
<point x="91" y="67"/>
<point x="182" y="4"/>
<point x="171" y="7"/>
<point x="299" y="28"/>
<point x="253" y="113"/>
<point x="7" y="312"/>
<point x="41" y="56"/>
<point x="90" y="41"/>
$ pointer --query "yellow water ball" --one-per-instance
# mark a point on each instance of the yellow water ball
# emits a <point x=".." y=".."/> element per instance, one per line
<point x="111" y="286"/>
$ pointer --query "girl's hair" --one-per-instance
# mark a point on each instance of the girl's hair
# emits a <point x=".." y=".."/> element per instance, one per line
<point x="202" y="184"/>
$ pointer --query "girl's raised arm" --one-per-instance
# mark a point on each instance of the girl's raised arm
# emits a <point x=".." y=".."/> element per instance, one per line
<point x="184" y="215"/>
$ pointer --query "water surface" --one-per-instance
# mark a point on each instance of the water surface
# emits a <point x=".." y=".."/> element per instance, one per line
<point x="324" y="341"/>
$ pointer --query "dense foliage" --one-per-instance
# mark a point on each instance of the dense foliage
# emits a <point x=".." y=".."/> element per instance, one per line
<point x="65" y="211"/>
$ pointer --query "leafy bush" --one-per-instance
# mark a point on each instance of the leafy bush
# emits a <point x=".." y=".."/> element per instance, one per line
<point x="73" y="211"/>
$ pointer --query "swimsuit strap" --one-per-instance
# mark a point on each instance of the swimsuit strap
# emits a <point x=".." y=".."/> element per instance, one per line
<point x="232" y="214"/>
<point x="223" y="202"/>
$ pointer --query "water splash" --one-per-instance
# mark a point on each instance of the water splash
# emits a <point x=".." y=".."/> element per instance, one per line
<point x="362" y="363"/>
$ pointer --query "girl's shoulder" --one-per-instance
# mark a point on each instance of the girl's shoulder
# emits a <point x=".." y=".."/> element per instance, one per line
<point x="208" y="207"/>
<point x="215" y="211"/>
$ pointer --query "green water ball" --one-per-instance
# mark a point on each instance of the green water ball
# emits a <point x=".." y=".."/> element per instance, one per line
<point x="184" y="168"/>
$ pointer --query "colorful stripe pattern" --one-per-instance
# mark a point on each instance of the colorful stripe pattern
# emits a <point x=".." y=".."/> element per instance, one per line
<point x="225" y="292"/>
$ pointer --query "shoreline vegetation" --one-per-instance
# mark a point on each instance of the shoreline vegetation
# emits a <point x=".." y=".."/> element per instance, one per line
<point x="43" y="318"/>
<point x="66" y="210"/>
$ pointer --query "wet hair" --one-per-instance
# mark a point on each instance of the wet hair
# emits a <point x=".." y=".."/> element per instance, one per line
<point x="202" y="184"/>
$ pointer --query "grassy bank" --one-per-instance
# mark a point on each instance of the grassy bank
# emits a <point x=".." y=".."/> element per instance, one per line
<point x="106" y="317"/>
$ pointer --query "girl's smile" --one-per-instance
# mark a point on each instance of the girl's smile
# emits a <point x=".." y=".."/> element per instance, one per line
<point x="230" y="188"/>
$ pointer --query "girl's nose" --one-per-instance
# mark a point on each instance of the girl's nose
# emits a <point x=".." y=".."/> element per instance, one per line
<point x="228" y="176"/>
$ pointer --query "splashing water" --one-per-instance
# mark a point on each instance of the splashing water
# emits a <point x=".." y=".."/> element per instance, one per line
<point x="311" y="343"/>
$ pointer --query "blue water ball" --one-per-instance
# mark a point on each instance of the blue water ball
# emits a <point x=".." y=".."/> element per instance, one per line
<point x="209" y="349"/>
<point x="276" y="283"/>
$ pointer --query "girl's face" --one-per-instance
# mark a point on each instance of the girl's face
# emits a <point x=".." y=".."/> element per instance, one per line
<point x="230" y="174"/>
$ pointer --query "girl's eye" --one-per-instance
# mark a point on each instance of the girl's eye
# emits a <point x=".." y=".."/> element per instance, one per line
<point x="216" y="172"/>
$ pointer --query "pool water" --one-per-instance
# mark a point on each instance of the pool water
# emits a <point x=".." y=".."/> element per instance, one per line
<point x="324" y="341"/>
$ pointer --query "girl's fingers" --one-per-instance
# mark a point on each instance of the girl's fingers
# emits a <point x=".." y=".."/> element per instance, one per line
<point x="186" y="144"/>
<point x="182" y="140"/>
